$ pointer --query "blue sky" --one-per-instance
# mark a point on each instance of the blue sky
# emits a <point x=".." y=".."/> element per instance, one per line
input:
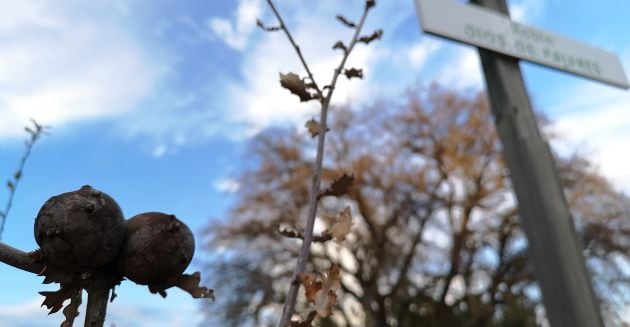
<point x="154" y="102"/>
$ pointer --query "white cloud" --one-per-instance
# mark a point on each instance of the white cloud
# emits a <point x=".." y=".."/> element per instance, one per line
<point x="463" y="71"/>
<point x="260" y="99"/>
<point x="599" y="123"/>
<point x="420" y="52"/>
<point x="59" y="67"/>
<point x="236" y="34"/>
<point x="25" y="309"/>
<point x="227" y="185"/>
<point x="526" y="11"/>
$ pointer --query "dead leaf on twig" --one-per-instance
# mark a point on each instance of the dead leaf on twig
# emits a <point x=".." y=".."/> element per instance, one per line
<point x="313" y="127"/>
<point x="54" y="300"/>
<point x="341" y="228"/>
<point x="340" y="186"/>
<point x="369" y="38"/>
<point x="353" y="72"/>
<point x="322" y="292"/>
<point x="296" y="85"/>
<point x="190" y="284"/>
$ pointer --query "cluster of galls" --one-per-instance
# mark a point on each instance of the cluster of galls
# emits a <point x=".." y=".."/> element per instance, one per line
<point x="84" y="230"/>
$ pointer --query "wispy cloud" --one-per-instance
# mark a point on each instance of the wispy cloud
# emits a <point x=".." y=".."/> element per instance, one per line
<point x="227" y="185"/>
<point x="58" y="66"/>
<point x="236" y="32"/>
<point x="527" y="11"/>
<point x="594" y="119"/>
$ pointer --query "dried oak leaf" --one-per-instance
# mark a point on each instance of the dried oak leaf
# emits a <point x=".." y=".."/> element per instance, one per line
<point x="54" y="300"/>
<point x="188" y="283"/>
<point x="71" y="311"/>
<point x="313" y="127"/>
<point x="369" y="38"/>
<point x="311" y="286"/>
<point x="353" y="72"/>
<point x="342" y="226"/>
<point x="322" y="292"/>
<point x="296" y="85"/>
<point x="340" y="186"/>
<point x="53" y="274"/>
<point x="346" y="21"/>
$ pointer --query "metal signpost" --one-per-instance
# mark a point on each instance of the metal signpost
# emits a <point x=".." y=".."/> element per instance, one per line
<point x="553" y="244"/>
<point x="491" y="30"/>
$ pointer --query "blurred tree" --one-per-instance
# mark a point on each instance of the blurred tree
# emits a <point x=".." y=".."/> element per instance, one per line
<point x="436" y="238"/>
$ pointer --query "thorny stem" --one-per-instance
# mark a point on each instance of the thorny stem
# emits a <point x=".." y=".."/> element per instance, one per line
<point x="289" y="304"/>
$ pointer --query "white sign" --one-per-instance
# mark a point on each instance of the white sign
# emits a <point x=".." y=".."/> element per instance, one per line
<point x="493" y="31"/>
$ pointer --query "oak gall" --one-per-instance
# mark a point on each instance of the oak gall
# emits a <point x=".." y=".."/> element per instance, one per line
<point x="80" y="230"/>
<point x="157" y="249"/>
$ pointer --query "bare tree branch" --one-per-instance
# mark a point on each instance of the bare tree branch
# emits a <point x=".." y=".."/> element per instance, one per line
<point x="20" y="259"/>
<point x="35" y="134"/>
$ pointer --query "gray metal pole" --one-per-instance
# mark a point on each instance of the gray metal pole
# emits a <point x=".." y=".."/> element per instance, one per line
<point x="553" y="244"/>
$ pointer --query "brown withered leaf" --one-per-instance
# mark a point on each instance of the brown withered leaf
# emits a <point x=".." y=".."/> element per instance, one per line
<point x="313" y="127"/>
<point x="369" y="38"/>
<point x="346" y="21"/>
<point x="55" y="275"/>
<point x="265" y="28"/>
<point x="322" y="293"/>
<point x="190" y="284"/>
<point x="54" y="300"/>
<point x="353" y="72"/>
<point x="340" y="186"/>
<point x="369" y="4"/>
<point x="71" y="311"/>
<point x="341" y="46"/>
<point x="340" y="229"/>
<point x="308" y="322"/>
<point x="311" y="286"/>
<point x="296" y="85"/>
<point x="327" y="296"/>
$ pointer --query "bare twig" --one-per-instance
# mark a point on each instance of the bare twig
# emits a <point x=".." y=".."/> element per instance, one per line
<point x="283" y="26"/>
<point x="20" y="259"/>
<point x="289" y="304"/>
<point x="98" y="296"/>
<point x="322" y="238"/>
<point x="35" y="134"/>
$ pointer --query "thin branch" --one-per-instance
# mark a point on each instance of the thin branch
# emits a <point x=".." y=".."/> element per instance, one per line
<point x="35" y="134"/>
<point x="20" y="259"/>
<point x="324" y="237"/>
<point x="98" y="297"/>
<point x="283" y="26"/>
<point x="289" y="304"/>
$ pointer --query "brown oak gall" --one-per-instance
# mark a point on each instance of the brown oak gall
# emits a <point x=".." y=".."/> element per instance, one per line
<point x="80" y="230"/>
<point x="157" y="249"/>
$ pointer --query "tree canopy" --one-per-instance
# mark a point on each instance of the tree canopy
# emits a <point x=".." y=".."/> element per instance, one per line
<point x="436" y="238"/>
